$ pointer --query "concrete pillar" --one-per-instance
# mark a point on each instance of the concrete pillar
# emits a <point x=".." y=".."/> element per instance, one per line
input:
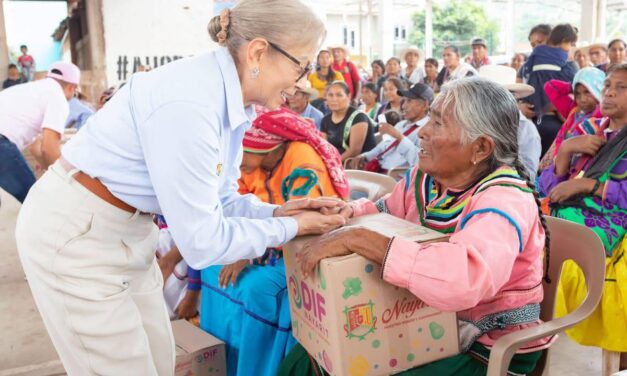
<point x="4" y="48"/>
<point x="509" y="29"/>
<point x="369" y="31"/>
<point x="386" y="29"/>
<point x="588" y="20"/>
<point x="429" y="28"/>
<point x="98" y="76"/>
<point x="601" y="14"/>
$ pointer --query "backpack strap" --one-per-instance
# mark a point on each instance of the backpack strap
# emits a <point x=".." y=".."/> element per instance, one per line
<point x="348" y="126"/>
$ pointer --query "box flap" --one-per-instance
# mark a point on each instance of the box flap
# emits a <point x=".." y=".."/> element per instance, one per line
<point x="190" y="338"/>
<point x="390" y="225"/>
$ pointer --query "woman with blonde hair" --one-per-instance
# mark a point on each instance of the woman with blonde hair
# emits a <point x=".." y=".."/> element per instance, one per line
<point x="169" y="142"/>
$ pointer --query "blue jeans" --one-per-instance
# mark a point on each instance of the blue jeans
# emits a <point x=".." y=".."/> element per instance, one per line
<point x="15" y="176"/>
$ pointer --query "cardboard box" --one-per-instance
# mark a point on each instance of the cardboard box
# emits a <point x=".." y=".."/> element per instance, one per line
<point x="354" y="323"/>
<point x="198" y="353"/>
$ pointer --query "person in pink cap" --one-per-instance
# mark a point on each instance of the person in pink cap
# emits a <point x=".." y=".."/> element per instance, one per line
<point x="33" y="115"/>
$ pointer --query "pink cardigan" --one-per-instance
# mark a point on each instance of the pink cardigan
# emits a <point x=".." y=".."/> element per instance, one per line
<point x="481" y="270"/>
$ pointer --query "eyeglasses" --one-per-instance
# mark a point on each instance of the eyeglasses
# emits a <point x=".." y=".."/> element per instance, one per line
<point x="305" y="67"/>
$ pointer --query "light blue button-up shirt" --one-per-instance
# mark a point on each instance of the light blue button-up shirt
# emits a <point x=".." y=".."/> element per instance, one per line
<point x="314" y="114"/>
<point x="405" y="153"/>
<point x="170" y="142"/>
<point x="529" y="146"/>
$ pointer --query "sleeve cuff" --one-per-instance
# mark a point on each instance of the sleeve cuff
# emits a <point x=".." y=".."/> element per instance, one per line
<point x="399" y="262"/>
<point x="611" y="191"/>
<point x="363" y="206"/>
<point x="267" y="211"/>
<point x="558" y="178"/>
<point x="369" y="155"/>
<point x="291" y="228"/>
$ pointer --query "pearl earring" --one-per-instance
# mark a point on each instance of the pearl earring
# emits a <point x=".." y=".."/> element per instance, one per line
<point x="255" y="73"/>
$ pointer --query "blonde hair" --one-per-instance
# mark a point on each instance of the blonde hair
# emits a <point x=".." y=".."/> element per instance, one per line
<point x="287" y="23"/>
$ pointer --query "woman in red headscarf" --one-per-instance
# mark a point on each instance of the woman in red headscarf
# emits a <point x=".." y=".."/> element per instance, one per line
<point x="285" y="157"/>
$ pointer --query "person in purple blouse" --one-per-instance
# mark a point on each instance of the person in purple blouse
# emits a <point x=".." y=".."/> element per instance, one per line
<point x="586" y="184"/>
<point x="568" y="176"/>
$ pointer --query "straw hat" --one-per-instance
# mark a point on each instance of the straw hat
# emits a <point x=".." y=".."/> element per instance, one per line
<point x="506" y="77"/>
<point x="306" y="88"/>
<point x="585" y="47"/>
<point x="409" y="49"/>
<point x="340" y="47"/>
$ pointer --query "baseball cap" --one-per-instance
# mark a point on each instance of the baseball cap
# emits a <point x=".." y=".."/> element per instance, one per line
<point x="479" y="42"/>
<point x="67" y="72"/>
<point x="418" y="91"/>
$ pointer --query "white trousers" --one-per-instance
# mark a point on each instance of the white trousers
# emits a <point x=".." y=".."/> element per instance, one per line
<point x="91" y="268"/>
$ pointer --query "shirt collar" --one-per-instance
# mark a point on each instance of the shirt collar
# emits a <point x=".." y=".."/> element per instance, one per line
<point x="238" y="114"/>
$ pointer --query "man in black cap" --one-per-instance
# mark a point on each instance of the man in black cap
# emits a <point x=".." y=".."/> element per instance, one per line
<point x="400" y="144"/>
<point x="479" y="53"/>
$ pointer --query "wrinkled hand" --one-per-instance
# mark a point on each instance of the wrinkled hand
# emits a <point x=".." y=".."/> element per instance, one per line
<point x="231" y="272"/>
<point x="385" y="128"/>
<point x="316" y="223"/>
<point x="586" y="144"/>
<point x="347" y="211"/>
<point x="570" y="188"/>
<point x="294" y="207"/>
<point x="188" y="307"/>
<point x="527" y="109"/>
<point x="329" y="245"/>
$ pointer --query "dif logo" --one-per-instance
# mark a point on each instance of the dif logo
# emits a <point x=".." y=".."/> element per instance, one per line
<point x="305" y="297"/>
<point x="207" y="355"/>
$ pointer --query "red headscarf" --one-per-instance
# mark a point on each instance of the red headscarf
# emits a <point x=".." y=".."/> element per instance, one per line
<point x="274" y="127"/>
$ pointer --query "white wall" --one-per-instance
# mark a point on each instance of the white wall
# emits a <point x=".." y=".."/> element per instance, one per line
<point x="153" y="32"/>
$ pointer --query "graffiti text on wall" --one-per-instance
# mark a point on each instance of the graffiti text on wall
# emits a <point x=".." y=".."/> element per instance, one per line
<point x="129" y="65"/>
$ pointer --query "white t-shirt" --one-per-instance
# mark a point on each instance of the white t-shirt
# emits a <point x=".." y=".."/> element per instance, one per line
<point x="28" y="108"/>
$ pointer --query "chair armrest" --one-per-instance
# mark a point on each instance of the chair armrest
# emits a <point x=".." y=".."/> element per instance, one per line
<point x="506" y="346"/>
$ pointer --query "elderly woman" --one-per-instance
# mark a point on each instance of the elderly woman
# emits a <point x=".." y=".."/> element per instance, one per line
<point x="586" y="184"/>
<point x="285" y="157"/>
<point x="471" y="185"/>
<point x="346" y="128"/>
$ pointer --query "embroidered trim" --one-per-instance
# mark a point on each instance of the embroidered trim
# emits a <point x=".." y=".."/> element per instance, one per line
<point x="385" y="258"/>
<point x="382" y="206"/>
<point x="470" y="331"/>
<point x="502" y="214"/>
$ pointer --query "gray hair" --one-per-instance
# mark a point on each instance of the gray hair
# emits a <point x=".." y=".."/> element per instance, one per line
<point x="288" y="23"/>
<point x="485" y="108"/>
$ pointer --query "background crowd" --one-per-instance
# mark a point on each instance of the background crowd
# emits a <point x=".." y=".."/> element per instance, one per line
<point x="572" y="104"/>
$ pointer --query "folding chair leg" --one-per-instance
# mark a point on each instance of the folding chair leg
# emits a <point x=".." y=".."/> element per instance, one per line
<point x="611" y="362"/>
